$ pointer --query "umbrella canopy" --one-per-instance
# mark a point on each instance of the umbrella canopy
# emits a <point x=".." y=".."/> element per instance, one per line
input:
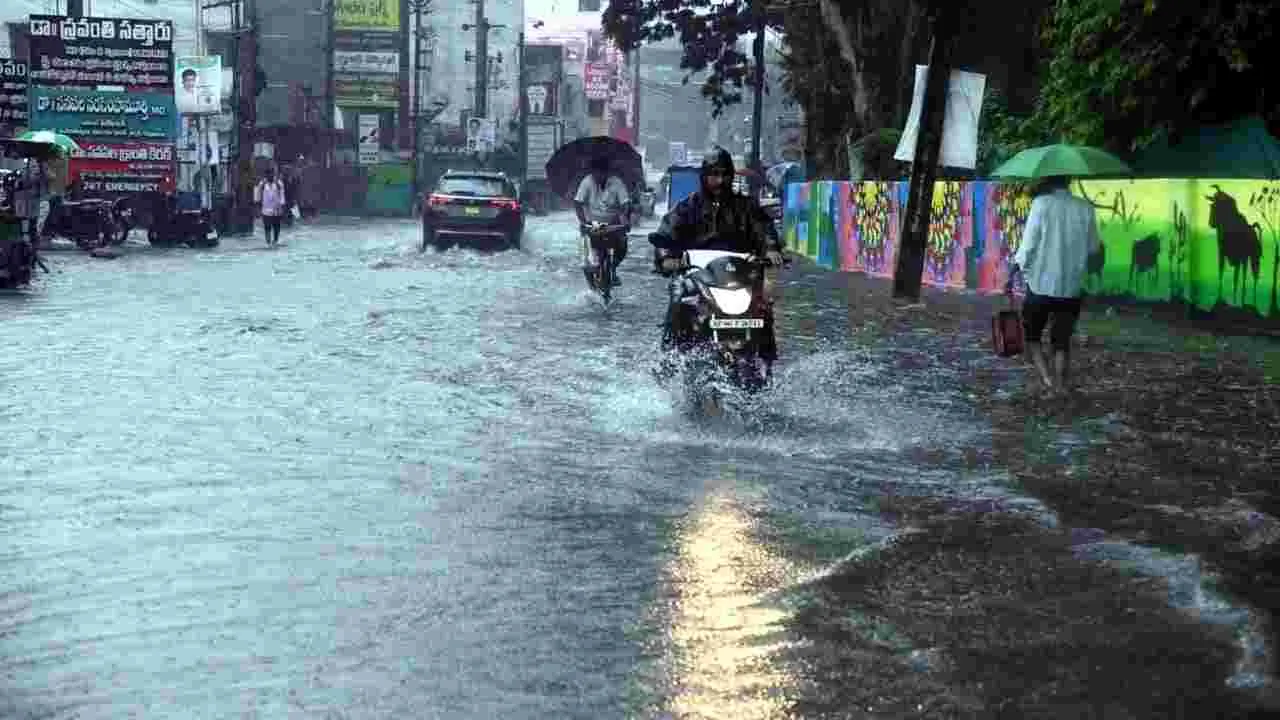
<point x="50" y="137"/>
<point x="28" y="149"/>
<point x="782" y="173"/>
<point x="572" y="162"/>
<point x="1062" y="160"/>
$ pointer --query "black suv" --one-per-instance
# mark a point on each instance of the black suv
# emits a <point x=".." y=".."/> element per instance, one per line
<point x="479" y="205"/>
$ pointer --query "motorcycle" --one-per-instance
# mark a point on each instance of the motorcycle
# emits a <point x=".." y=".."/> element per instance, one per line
<point x="598" y="257"/>
<point x="170" y="225"/>
<point x="719" y="314"/>
<point x="91" y="224"/>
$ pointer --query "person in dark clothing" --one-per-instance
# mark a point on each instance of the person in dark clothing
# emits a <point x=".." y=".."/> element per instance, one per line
<point x="714" y="218"/>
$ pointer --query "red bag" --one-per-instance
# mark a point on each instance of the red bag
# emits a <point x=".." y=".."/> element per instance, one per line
<point x="1006" y="333"/>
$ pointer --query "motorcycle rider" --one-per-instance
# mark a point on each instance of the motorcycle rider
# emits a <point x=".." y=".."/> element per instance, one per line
<point x="715" y="218"/>
<point x="602" y="197"/>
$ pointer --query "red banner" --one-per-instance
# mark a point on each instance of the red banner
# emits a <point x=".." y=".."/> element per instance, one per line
<point x="596" y="81"/>
<point x="114" y="169"/>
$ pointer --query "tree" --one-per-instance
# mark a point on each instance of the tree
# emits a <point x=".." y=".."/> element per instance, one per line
<point x="1122" y="73"/>
<point x="708" y="31"/>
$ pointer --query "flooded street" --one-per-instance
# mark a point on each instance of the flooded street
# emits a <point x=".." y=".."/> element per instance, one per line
<point x="342" y="479"/>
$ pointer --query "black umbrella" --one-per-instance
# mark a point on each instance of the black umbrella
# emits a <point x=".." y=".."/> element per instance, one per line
<point x="572" y="162"/>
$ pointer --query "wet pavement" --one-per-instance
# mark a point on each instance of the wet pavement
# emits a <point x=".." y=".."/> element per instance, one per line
<point x="343" y="479"/>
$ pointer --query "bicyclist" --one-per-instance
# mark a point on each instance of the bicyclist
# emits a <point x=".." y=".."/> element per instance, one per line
<point x="602" y="197"/>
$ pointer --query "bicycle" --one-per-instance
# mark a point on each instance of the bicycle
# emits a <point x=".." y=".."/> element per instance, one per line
<point x="599" y="273"/>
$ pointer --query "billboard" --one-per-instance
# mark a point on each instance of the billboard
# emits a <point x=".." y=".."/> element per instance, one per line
<point x="112" y="169"/>
<point x="13" y="96"/>
<point x="90" y="113"/>
<point x="595" y="81"/>
<point x="544" y="69"/>
<point x="136" y="55"/>
<point x="199" y="88"/>
<point x="375" y="15"/>
<point x="366" y="54"/>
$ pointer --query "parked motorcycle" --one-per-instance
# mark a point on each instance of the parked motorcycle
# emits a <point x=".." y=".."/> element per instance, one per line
<point x="90" y="224"/>
<point x="168" y="225"/>
<point x="720" y="320"/>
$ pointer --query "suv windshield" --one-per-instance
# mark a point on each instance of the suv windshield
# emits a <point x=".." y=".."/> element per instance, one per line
<point x="474" y="185"/>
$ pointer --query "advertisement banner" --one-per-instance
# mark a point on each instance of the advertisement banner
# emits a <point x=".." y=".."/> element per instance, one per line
<point x="88" y="113"/>
<point x="366" y="15"/>
<point x="595" y="81"/>
<point x="13" y="96"/>
<point x="366" y="92"/>
<point x="114" y="169"/>
<point x="369" y="145"/>
<point x="366" y="69"/>
<point x="373" y="63"/>
<point x="199" y="88"/>
<point x="543" y="143"/>
<point x="89" y="52"/>
<point x="544" y="70"/>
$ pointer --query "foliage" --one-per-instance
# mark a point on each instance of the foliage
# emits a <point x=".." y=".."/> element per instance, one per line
<point x="877" y="149"/>
<point x="1123" y="73"/>
<point x="708" y="31"/>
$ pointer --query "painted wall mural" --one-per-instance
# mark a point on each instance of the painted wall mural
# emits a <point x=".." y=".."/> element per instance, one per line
<point x="1214" y="244"/>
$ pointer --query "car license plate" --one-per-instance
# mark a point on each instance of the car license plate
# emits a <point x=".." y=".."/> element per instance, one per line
<point x="736" y="323"/>
<point x="211" y="235"/>
<point x="472" y="211"/>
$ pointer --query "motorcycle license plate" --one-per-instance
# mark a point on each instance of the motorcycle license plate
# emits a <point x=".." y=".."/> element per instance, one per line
<point x="736" y="323"/>
<point x="211" y="235"/>
<point x="472" y="211"/>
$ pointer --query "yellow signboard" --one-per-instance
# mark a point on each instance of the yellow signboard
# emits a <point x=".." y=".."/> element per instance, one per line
<point x="366" y="15"/>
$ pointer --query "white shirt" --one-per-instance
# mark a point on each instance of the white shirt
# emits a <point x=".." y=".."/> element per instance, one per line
<point x="1060" y="235"/>
<point x="604" y="205"/>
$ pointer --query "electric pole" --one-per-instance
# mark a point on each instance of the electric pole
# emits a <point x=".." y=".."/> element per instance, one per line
<point x="75" y="8"/>
<point x="757" y="117"/>
<point x="522" y="102"/>
<point x="909" y="272"/>
<point x="482" y="61"/>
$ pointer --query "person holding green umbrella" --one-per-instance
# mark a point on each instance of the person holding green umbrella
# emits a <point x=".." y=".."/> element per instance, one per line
<point x="1053" y="257"/>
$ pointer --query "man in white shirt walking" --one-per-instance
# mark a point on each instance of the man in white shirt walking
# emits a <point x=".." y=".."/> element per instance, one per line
<point x="1060" y="235"/>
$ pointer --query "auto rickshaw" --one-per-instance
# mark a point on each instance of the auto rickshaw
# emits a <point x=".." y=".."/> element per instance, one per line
<point x="18" y="255"/>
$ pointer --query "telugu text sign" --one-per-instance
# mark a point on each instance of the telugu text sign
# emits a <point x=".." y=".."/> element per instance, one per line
<point x="366" y="63"/>
<point x="366" y="15"/>
<point x="111" y="169"/>
<point x="365" y="91"/>
<point x="13" y="95"/>
<point x="542" y="143"/>
<point x="87" y="113"/>
<point x="90" y="52"/>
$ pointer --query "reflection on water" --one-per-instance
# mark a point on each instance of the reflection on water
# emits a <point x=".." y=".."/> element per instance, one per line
<point x="721" y="663"/>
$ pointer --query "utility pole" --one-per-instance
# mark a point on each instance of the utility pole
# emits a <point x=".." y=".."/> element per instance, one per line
<point x="482" y="61"/>
<point x="909" y="272"/>
<point x="75" y="8"/>
<point x="247" y="108"/>
<point x="522" y="102"/>
<point x="757" y="118"/>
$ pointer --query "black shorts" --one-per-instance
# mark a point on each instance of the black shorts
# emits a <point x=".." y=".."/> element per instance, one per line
<point x="1039" y="310"/>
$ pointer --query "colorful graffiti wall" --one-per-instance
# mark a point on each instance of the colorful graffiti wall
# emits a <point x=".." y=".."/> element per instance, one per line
<point x="1214" y="244"/>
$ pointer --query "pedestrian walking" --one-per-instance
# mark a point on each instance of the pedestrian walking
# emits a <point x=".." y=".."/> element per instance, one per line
<point x="1060" y="235"/>
<point x="29" y="189"/>
<point x="270" y="196"/>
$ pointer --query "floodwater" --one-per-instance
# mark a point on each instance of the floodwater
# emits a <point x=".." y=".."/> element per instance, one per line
<point x="342" y="479"/>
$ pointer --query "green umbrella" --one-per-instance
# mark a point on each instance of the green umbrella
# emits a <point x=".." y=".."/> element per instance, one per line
<point x="66" y="144"/>
<point x="1059" y="160"/>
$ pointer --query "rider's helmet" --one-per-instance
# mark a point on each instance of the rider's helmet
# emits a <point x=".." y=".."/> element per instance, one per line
<point x="717" y="159"/>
